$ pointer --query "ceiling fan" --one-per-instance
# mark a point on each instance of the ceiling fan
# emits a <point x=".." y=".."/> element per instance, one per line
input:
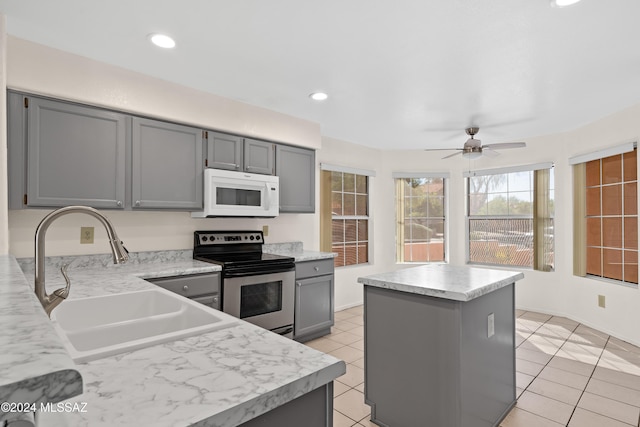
<point x="473" y="148"/>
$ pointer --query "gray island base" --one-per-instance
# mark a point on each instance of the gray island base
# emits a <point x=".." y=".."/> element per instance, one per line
<point x="440" y="346"/>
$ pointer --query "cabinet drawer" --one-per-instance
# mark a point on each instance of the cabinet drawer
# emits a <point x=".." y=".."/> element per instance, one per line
<point x="191" y="285"/>
<point x="314" y="268"/>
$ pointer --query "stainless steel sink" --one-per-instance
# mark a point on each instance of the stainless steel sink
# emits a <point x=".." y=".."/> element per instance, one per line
<point x="96" y="327"/>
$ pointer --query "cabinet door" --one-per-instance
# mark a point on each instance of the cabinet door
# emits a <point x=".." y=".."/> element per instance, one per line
<point x="314" y="305"/>
<point x="167" y="166"/>
<point x="258" y="156"/>
<point x="224" y="151"/>
<point x="296" y="168"/>
<point x="76" y="155"/>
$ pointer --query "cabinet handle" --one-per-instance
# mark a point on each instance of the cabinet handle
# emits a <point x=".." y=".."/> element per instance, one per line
<point x="185" y="288"/>
<point x="119" y="203"/>
<point x="298" y="284"/>
<point x="215" y="299"/>
<point x="316" y="268"/>
<point x="247" y="168"/>
<point x="137" y="202"/>
<point x="235" y="165"/>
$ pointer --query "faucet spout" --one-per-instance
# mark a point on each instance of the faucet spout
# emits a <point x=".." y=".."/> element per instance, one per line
<point x="120" y="254"/>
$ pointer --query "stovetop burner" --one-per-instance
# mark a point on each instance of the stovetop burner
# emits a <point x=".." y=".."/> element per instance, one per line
<point x="238" y="252"/>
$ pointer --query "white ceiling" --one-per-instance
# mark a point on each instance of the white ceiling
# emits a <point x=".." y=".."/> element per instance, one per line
<point x="405" y="74"/>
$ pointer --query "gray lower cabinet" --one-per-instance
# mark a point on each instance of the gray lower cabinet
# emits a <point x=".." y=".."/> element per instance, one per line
<point x="435" y="361"/>
<point x="202" y="288"/>
<point x="74" y="155"/>
<point x="314" y="299"/>
<point x="296" y="168"/>
<point x="167" y="165"/>
<point x="314" y="409"/>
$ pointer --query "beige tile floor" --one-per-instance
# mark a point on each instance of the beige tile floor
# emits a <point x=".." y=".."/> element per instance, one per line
<point x="567" y="374"/>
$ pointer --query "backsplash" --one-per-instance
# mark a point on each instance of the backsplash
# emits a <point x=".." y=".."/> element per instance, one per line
<point x="285" y="248"/>
<point x="106" y="260"/>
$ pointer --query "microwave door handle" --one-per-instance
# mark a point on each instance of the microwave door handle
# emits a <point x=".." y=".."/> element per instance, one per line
<point x="267" y="196"/>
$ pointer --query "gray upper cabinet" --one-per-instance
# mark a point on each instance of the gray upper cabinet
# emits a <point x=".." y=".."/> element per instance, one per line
<point x="258" y="156"/>
<point x="75" y="155"/>
<point x="296" y="168"/>
<point x="167" y="165"/>
<point x="225" y="151"/>
<point x="233" y="152"/>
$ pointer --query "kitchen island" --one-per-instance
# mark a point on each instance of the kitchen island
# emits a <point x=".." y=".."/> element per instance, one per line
<point x="440" y="346"/>
<point x="238" y="376"/>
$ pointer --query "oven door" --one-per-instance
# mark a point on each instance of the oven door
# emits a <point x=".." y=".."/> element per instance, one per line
<point x="266" y="300"/>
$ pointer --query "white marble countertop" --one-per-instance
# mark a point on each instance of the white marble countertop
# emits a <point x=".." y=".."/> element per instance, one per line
<point x="295" y="250"/>
<point x="459" y="283"/>
<point x="221" y="378"/>
<point x="34" y="366"/>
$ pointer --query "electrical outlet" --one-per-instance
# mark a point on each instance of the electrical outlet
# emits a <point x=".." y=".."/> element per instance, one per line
<point x="265" y="230"/>
<point x="86" y="235"/>
<point x="601" y="301"/>
<point x="491" y="325"/>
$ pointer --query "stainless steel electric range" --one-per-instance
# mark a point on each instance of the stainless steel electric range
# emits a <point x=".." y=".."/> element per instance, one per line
<point x="255" y="286"/>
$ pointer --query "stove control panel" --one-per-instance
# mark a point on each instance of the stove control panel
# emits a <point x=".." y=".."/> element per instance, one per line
<point x="204" y="238"/>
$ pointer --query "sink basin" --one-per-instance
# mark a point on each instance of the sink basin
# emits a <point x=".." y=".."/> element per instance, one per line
<point x="96" y="327"/>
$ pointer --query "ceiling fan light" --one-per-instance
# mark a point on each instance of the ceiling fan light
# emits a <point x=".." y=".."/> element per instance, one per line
<point x="563" y="3"/>
<point x="472" y="154"/>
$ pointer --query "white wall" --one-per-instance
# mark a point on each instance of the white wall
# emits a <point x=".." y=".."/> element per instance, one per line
<point x="35" y="68"/>
<point x="557" y="292"/>
<point x="39" y="69"/>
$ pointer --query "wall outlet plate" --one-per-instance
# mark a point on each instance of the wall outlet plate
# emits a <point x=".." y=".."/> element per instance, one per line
<point x="491" y="325"/>
<point x="265" y="230"/>
<point x="601" y="301"/>
<point x="86" y="235"/>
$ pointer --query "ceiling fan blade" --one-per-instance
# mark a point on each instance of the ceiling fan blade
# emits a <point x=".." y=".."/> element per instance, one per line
<point x="489" y="152"/>
<point x="503" y="145"/>
<point x="441" y="149"/>
<point x="451" y="155"/>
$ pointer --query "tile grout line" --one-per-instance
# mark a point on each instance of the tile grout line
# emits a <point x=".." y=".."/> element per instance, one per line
<point x="590" y="377"/>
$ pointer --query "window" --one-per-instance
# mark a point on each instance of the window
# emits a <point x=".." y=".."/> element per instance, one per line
<point x="607" y="217"/>
<point x="420" y="217"/>
<point x="510" y="217"/>
<point x="345" y="214"/>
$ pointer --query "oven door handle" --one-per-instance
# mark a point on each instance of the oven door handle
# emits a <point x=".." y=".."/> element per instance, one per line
<point x="257" y="272"/>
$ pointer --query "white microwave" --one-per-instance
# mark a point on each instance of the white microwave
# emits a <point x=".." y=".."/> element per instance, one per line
<point x="239" y="194"/>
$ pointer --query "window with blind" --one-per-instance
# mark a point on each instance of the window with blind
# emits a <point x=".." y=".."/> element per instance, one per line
<point x="420" y="217"/>
<point x="608" y="217"/>
<point x="605" y="214"/>
<point x="345" y="214"/>
<point x="510" y="217"/>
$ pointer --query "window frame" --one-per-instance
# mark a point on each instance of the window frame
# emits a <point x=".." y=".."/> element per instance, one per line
<point x="581" y="213"/>
<point x="445" y="176"/>
<point x="537" y="245"/>
<point x="326" y="215"/>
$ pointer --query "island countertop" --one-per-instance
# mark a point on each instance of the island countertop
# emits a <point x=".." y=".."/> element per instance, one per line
<point x="459" y="283"/>
<point x="221" y="378"/>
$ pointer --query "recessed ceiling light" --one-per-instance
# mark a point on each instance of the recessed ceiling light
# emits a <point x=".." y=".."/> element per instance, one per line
<point x="162" y="40"/>
<point x="563" y="3"/>
<point x="318" y="96"/>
